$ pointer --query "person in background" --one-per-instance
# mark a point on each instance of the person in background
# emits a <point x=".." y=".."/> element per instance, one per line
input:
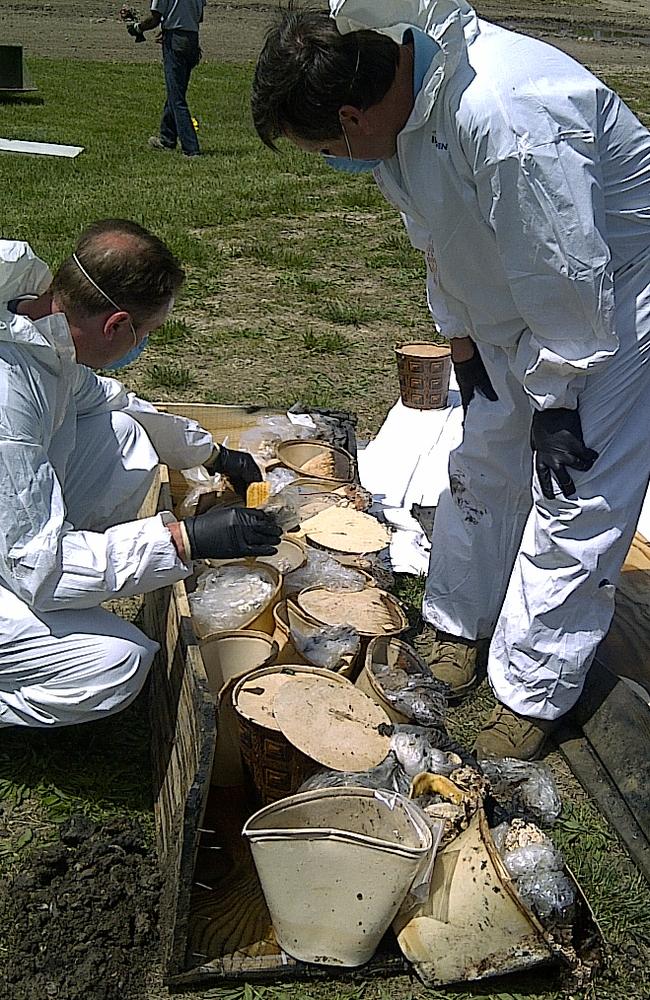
<point x="525" y="181"/>
<point x="180" y="21"/>
<point x="78" y="454"/>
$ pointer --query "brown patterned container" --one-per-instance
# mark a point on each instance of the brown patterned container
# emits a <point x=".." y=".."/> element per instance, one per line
<point x="275" y="766"/>
<point x="423" y="371"/>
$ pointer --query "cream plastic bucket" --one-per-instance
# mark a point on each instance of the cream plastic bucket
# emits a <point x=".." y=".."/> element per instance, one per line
<point x="392" y="652"/>
<point x="258" y="621"/>
<point x="287" y="651"/>
<point x="228" y="656"/>
<point x="296" y="453"/>
<point x="309" y="626"/>
<point x="335" y="866"/>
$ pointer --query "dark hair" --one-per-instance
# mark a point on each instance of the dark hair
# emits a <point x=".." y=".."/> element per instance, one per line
<point x="128" y="262"/>
<point x="307" y="71"/>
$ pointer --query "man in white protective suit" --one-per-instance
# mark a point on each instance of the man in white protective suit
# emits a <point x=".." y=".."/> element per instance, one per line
<point x="526" y="183"/>
<point x="77" y="456"/>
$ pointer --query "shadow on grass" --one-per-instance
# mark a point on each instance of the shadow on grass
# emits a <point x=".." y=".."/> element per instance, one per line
<point x="30" y="98"/>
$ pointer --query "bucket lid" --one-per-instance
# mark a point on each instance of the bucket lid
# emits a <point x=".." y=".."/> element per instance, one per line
<point x="339" y="726"/>
<point x="255" y="696"/>
<point x="371" y="611"/>
<point x="424" y="349"/>
<point x="345" y="529"/>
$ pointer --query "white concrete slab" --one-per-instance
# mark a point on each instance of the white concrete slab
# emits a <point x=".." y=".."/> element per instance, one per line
<point x="39" y="148"/>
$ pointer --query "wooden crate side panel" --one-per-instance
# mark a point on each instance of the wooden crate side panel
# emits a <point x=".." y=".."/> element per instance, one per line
<point x="616" y="724"/>
<point x="183" y="741"/>
<point x="183" y="724"/>
<point x="625" y="649"/>
<point x="599" y="785"/>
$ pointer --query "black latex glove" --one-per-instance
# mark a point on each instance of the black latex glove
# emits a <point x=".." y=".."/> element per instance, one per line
<point x="240" y="467"/>
<point x="133" y="29"/>
<point x="471" y="375"/>
<point x="232" y="533"/>
<point x="556" y="439"/>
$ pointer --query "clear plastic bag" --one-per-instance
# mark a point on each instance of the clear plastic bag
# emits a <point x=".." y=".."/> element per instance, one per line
<point x="326" y="647"/>
<point x="417" y="749"/>
<point x="551" y="894"/>
<point x="320" y="568"/>
<point x="226" y="597"/>
<point x="263" y="439"/>
<point x="415" y="693"/>
<point x="537" y="870"/>
<point x="388" y="775"/>
<point x="279" y="478"/>
<point x="528" y="787"/>
<point x="283" y="508"/>
<point x="199" y="481"/>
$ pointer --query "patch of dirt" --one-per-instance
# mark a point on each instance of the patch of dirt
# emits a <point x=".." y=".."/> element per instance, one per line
<point x="83" y="916"/>
<point x="234" y="31"/>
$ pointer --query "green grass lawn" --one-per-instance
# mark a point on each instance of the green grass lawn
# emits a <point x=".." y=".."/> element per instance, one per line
<point x="300" y="280"/>
<point x="300" y="283"/>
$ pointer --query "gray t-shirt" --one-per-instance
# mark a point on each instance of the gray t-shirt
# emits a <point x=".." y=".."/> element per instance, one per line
<point x="185" y="14"/>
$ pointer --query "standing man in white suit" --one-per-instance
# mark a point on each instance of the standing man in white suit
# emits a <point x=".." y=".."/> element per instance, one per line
<point x="526" y="183"/>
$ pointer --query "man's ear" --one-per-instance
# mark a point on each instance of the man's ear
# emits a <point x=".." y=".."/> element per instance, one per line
<point x="353" y="119"/>
<point x="113" y="325"/>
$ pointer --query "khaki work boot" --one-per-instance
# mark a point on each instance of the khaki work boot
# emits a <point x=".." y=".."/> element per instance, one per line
<point x="506" y="734"/>
<point x="450" y="660"/>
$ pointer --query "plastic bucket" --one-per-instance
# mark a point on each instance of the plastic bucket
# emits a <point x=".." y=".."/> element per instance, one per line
<point x="297" y="454"/>
<point x="275" y="766"/>
<point x="287" y="651"/>
<point x="290" y="555"/>
<point x="335" y="866"/>
<point x="313" y="495"/>
<point x="227" y="656"/>
<point x="260" y="621"/>
<point x="394" y="653"/>
<point x="371" y="611"/>
<point x="309" y="626"/>
<point x="424" y="371"/>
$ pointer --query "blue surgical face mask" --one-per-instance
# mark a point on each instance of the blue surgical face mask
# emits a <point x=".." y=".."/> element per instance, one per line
<point x="351" y="166"/>
<point x="128" y="359"/>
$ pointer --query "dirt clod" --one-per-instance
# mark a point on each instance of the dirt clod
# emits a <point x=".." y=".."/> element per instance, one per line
<point x="83" y="915"/>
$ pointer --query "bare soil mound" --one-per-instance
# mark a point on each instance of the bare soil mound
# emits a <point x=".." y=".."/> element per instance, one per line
<point x="83" y="916"/>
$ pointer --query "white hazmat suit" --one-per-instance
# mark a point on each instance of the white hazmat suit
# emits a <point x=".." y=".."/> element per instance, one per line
<point x="526" y="183"/>
<point x="77" y="456"/>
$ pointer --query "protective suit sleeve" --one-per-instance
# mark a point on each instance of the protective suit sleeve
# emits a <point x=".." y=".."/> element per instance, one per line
<point x="544" y="202"/>
<point x="128" y="559"/>
<point x="21" y="271"/>
<point x="48" y="564"/>
<point x="181" y="443"/>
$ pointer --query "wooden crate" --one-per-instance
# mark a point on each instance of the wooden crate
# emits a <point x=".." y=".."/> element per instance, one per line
<point x="224" y="933"/>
